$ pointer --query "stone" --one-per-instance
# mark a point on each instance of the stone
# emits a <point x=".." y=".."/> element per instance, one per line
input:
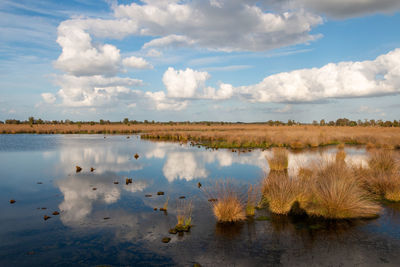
<point x="78" y="169"/>
<point x="165" y="239"/>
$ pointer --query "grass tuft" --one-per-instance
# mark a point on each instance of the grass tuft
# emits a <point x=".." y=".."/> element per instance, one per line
<point x="229" y="206"/>
<point x="279" y="161"/>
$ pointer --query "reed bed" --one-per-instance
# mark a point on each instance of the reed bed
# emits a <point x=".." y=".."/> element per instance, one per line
<point x="231" y="135"/>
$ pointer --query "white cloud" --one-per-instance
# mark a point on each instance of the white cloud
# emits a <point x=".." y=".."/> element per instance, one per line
<point x="49" y="98"/>
<point x="350" y="8"/>
<point x="183" y="165"/>
<point x="137" y="63"/>
<point x="170" y="40"/>
<point x="161" y="102"/>
<point x="223" y="25"/>
<point x="183" y="83"/>
<point x="342" y="80"/>
<point x="90" y="91"/>
<point x="154" y="53"/>
<point x="80" y="57"/>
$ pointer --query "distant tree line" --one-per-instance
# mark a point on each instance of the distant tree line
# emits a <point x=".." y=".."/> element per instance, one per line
<point x="339" y="122"/>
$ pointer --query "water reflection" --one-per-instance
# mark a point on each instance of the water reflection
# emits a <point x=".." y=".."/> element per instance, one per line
<point x="135" y="230"/>
<point x="79" y="196"/>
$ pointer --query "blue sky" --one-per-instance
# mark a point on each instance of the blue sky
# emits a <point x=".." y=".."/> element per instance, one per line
<point x="200" y="60"/>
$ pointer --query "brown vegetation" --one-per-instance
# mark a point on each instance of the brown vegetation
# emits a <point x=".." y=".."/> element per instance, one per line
<point x="330" y="189"/>
<point x="279" y="160"/>
<point x="231" y="135"/>
<point x="229" y="206"/>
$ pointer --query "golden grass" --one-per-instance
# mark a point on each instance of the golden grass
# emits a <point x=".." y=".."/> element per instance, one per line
<point x="330" y="189"/>
<point x="340" y="156"/>
<point x="279" y="160"/>
<point x="231" y="135"/>
<point x="337" y="194"/>
<point x="229" y="206"/>
<point x="383" y="175"/>
<point x="280" y="192"/>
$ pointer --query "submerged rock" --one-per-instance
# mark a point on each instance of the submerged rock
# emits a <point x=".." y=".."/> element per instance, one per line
<point x="165" y="239"/>
<point x="56" y="213"/>
<point x="106" y="218"/>
<point x="182" y="197"/>
<point x="128" y="181"/>
<point x="44" y="208"/>
<point x="45" y="217"/>
<point x="136" y="156"/>
<point x="148" y="195"/>
<point x="92" y="169"/>
<point x="160" y="193"/>
<point x="116" y="182"/>
<point x="94" y="188"/>
<point x="12" y="201"/>
<point x="78" y="169"/>
<point x="173" y="231"/>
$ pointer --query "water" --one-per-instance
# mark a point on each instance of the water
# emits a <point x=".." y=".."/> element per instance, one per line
<point x="38" y="171"/>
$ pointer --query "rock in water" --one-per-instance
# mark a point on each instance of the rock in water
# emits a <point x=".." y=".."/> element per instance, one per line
<point x="136" y="156"/>
<point x="166" y="239"/>
<point x="12" y="201"/>
<point x="78" y="169"/>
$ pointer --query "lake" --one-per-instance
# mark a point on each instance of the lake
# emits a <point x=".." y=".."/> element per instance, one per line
<point x="102" y="222"/>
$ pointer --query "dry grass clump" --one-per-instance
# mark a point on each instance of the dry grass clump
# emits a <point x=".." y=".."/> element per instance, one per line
<point x="337" y="194"/>
<point x="340" y="156"/>
<point x="229" y="205"/>
<point x="281" y="192"/>
<point x="332" y="191"/>
<point x="279" y="161"/>
<point x="383" y="176"/>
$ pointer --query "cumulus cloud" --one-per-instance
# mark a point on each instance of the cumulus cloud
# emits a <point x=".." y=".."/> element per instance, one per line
<point x="183" y="83"/>
<point x="91" y="91"/>
<point x="342" y="80"/>
<point x="350" y="8"/>
<point x="191" y="84"/>
<point x="223" y="25"/>
<point x="80" y="57"/>
<point x="183" y="165"/>
<point x="161" y="102"/>
<point x="136" y="63"/>
<point x="49" y="98"/>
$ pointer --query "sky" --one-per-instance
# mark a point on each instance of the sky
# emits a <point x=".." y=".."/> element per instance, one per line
<point x="196" y="60"/>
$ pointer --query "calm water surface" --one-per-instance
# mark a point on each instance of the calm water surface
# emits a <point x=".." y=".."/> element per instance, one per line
<point x="38" y="171"/>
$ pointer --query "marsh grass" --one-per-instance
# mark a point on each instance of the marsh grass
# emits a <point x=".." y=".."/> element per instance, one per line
<point x="252" y="193"/>
<point x="337" y="194"/>
<point x="382" y="178"/>
<point x="184" y="215"/>
<point x="229" y="205"/>
<point x="279" y="160"/>
<point x="281" y="192"/>
<point x="231" y="136"/>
